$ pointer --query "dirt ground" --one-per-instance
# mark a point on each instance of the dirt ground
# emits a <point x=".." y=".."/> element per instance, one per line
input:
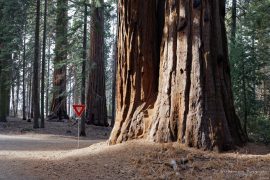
<point x="52" y="153"/>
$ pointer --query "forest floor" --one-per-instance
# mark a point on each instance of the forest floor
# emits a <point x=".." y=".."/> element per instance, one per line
<point x="52" y="153"/>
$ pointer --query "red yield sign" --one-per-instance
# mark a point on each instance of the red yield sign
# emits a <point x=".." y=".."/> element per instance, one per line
<point x="79" y="108"/>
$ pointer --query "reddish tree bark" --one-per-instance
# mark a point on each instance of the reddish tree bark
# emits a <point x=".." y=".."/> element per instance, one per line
<point x="83" y="133"/>
<point x="35" y="81"/>
<point x="194" y="105"/>
<point x="137" y="69"/>
<point x="96" y="98"/>
<point x="43" y="64"/>
<point x="59" y="104"/>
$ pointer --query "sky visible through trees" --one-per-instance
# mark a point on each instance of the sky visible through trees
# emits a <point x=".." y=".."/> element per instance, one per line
<point x="248" y="45"/>
<point x="250" y="31"/>
<point x="190" y="71"/>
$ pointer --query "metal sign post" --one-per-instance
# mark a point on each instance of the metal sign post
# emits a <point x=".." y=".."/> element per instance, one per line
<point x="79" y="109"/>
<point x="78" y="146"/>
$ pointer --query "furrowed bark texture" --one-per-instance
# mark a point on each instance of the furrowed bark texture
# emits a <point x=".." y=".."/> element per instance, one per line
<point x="96" y="97"/>
<point x="82" y="129"/>
<point x="23" y="78"/>
<point x="43" y="65"/>
<point x="114" y="64"/>
<point x="137" y="69"/>
<point x="59" y="106"/>
<point x="194" y="105"/>
<point x="36" y="81"/>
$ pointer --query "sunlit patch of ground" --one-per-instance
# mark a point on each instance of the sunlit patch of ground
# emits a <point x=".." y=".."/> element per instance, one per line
<point x="48" y="147"/>
<point x="60" y="159"/>
<point x="136" y="160"/>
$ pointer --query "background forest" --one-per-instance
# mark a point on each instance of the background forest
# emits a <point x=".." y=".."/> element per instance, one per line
<point x="49" y="51"/>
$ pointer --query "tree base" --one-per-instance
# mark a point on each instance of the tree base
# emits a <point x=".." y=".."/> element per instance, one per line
<point x="191" y="82"/>
<point x="82" y="134"/>
<point x="36" y="126"/>
<point x="97" y="124"/>
<point x="55" y="118"/>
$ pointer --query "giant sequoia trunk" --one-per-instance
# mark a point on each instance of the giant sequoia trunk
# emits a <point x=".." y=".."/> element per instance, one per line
<point x="137" y="69"/>
<point x="59" y="106"/>
<point x="96" y="98"/>
<point x="194" y="103"/>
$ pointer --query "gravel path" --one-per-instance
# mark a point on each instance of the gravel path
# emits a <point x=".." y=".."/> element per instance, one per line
<point x="51" y="154"/>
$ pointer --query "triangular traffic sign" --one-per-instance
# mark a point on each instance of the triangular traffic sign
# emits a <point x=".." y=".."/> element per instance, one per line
<point x="79" y="108"/>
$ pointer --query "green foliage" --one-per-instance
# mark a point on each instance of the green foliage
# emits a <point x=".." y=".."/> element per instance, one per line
<point x="110" y="15"/>
<point x="259" y="129"/>
<point x="249" y="59"/>
<point x="12" y="21"/>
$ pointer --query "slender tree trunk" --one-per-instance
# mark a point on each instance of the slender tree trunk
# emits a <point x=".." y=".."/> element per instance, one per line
<point x="17" y="93"/>
<point x="59" y="104"/>
<point x="265" y="96"/>
<point x="5" y="74"/>
<point x="8" y="100"/>
<point x="13" y="79"/>
<point x="23" y="78"/>
<point x="4" y="86"/>
<point x="194" y="103"/>
<point x="82" y="133"/>
<point x="69" y="94"/>
<point x="48" y="78"/>
<point x="42" y="125"/>
<point x="76" y="94"/>
<point x="96" y="98"/>
<point x="30" y="97"/>
<point x="13" y="94"/>
<point x="35" y="86"/>
<point x="114" y="69"/>
<point x="3" y="104"/>
<point x="4" y="99"/>
<point x="244" y="97"/>
<point x="233" y="26"/>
